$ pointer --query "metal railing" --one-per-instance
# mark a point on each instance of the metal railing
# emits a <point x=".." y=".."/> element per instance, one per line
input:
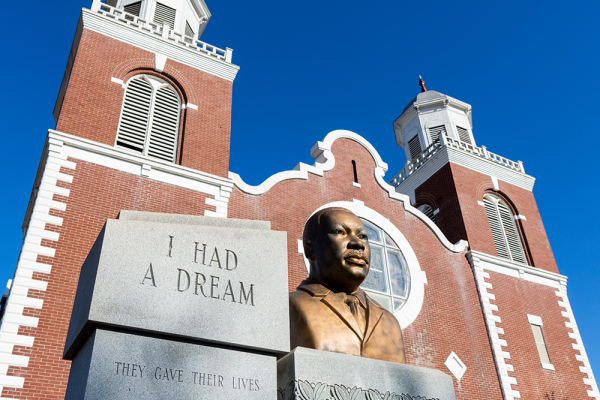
<point x="163" y="31"/>
<point x="445" y="141"/>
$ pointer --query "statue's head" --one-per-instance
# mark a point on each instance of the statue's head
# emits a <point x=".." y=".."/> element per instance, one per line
<point x="337" y="245"/>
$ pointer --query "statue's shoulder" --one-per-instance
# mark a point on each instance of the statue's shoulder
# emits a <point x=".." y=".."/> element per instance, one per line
<point x="298" y="295"/>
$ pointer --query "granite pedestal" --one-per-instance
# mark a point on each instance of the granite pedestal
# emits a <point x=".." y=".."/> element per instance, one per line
<point x="183" y="294"/>
<point x="123" y="366"/>
<point x="308" y="374"/>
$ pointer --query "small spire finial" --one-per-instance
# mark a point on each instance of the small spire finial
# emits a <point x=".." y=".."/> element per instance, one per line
<point x="422" y="84"/>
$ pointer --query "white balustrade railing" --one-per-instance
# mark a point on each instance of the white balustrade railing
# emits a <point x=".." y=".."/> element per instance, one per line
<point x="416" y="163"/>
<point x="161" y="30"/>
<point x="445" y="141"/>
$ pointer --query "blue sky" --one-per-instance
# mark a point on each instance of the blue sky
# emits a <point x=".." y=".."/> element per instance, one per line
<point x="529" y="69"/>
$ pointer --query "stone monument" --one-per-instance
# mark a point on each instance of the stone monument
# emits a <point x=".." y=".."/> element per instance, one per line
<point x="172" y="306"/>
<point x="186" y="307"/>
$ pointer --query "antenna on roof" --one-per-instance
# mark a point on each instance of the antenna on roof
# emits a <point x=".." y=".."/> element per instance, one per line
<point x="422" y="84"/>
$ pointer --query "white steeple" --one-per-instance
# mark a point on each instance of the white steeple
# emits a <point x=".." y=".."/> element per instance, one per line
<point x="188" y="17"/>
<point x="429" y="115"/>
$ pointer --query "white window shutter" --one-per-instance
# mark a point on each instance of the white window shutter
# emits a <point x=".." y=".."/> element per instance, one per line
<point x="496" y="226"/>
<point x="414" y="146"/>
<point x="133" y="8"/>
<point x="188" y="30"/>
<point x="436" y="131"/>
<point x="512" y="235"/>
<point x="504" y="231"/>
<point x="165" y="124"/>
<point x="150" y="118"/>
<point x="135" y="115"/>
<point x="463" y="135"/>
<point x="164" y="15"/>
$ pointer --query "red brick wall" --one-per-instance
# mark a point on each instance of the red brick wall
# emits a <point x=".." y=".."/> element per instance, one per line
<point x="97" y="193"/>
<point x="92" y="103"/>
<point x="439" y="192"/>
<point x="451" y="318"/>
<point x="515" y="299"/>
<point x="456" y="191"/>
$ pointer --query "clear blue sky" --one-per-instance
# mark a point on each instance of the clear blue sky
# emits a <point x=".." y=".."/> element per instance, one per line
<point x="529" y="69"/>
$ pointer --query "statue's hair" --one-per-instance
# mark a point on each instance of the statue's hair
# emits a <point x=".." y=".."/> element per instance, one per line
<point x="314" y="224"/>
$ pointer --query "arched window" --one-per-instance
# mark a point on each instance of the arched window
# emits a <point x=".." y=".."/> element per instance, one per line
<point x="504" y="230"/>
<point x="427" y="210"/>
<point x="388" y="282"/>
<point x="150" y="118"/>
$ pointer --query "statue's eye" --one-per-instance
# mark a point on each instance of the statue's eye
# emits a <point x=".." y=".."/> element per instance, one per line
<point x="363" y="236"/>
<point x="337" y="232"/>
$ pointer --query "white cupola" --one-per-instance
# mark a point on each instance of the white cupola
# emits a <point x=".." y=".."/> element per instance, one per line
<point x="188" y="17"/>
<point x="430" y="115"/>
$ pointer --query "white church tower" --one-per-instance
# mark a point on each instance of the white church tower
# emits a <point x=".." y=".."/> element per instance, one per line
<point x="427" y="117"/>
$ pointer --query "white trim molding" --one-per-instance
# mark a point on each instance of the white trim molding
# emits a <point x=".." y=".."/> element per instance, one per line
<point x="162" y="171"/>
<point x="455" y="366"/>
<point x="418" y="279"/>
<point x="495" y="183"/>
<point x="325" y="161"/>
<point x="499" y="350"/>
<point x="517" y="270"/>
<point x="37" y="218"/>
<point x="159" y="61"/>
<point x="582" y="357"/>
<point x="534" y="320"/>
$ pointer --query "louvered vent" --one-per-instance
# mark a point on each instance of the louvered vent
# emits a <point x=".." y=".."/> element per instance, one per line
<point x="188" y="30"/>
<point x="512" y="235"/>
<point x="427" y="210"/>
<point x="150" y="118"/>
<point x="504" y="231"/>
<point x="436" y="131"/>
<point x="133" y="8"/>
<point x="463" y="135"/>
<point x="135" y="114"/>
<point x="165" y="123"/>
<point x="414" y="146"/>
<point x="164" y="15"/>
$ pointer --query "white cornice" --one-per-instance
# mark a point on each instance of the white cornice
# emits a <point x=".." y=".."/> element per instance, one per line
<point x="130" y="162"/>
<point x="157" y="44"/>
<point x="522" y="271"/>
<point x="325" y="161"/>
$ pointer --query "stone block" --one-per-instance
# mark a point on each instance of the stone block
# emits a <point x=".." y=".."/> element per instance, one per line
<point x="218" y="284"/>
<point x="308" y="374"/>
<point x="128" y="366"/>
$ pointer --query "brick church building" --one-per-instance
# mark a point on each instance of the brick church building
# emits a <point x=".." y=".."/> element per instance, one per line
<point x="459" y="251"/>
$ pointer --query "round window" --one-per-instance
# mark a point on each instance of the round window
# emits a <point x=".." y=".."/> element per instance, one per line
<point x="388" y="282"/>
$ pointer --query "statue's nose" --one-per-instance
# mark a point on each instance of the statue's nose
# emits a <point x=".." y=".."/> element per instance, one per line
<point x="355" y="243"/>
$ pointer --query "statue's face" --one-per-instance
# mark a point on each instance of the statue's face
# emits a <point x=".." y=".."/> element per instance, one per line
<point x="341" y="251"/>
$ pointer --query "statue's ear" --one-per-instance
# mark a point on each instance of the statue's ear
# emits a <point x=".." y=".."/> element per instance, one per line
<point x="309" y="252"/>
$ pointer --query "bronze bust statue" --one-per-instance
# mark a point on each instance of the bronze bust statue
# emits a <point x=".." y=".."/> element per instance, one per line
<point x="328" y="311"/>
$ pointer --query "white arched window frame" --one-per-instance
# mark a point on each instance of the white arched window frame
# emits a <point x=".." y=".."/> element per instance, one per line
<point x="416" y="293"/>
<point x="504" y="229"/>
<point x="150" y="114"/>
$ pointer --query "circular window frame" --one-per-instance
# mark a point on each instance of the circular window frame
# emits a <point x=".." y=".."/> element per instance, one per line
<point x="412" y="308"/>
